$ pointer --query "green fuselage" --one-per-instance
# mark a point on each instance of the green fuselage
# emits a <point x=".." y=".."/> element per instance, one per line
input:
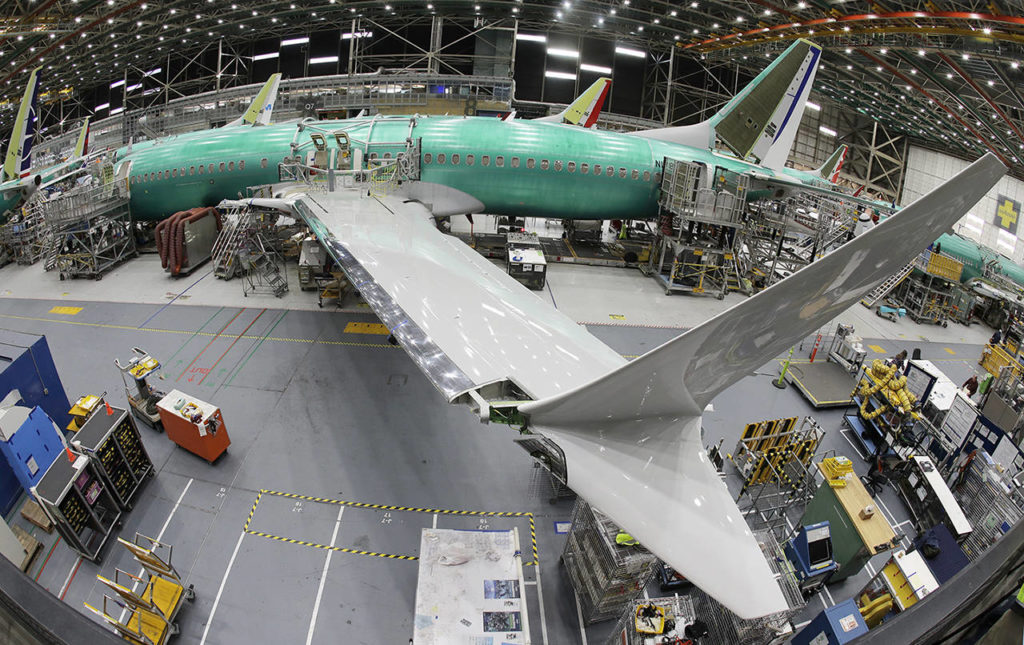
<point x="522" y="168"/>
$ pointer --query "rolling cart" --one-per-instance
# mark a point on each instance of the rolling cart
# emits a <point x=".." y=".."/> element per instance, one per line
<point x="143" y="402"/>
<point x="113" y="443"/>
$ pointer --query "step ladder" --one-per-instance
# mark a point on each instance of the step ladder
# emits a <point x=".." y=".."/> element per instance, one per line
<point x="264" y="270"/>
<point x="226" y="246"/>
<point x="888" y="285"/>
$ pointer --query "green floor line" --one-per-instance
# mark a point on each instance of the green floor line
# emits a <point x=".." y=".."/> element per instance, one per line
<point x="253" y="351"/>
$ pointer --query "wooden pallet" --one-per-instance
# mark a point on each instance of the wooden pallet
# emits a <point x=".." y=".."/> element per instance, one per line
<point x="32" y="512"/>
<point x="31" y="545"/>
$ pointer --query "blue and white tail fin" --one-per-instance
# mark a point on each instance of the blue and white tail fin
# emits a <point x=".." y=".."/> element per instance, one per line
<point x="18" y="161"/>
<point x="829" y="171"/>
<point x="262" y="106"/>
<point x="760" y="122"/>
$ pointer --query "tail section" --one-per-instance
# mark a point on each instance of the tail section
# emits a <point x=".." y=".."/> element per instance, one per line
<point x="82" y="145"/>
<point x="830" y="169"/>
<point x="585" y="109"/>
<point x="262" y="106"/>
<point x="761" y="121"/>
<point x="632" y="438"/>
<point x="19" y="151"/>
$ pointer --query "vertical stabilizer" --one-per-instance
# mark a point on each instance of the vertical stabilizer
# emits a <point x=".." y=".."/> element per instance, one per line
<point x="830" y="169"/>
<point x="761" y="121"/>
<point x="586" y="108"/>
<point x="19" y="151"/>
<point x="82" y="145"/>
<point x="262" y="106"/>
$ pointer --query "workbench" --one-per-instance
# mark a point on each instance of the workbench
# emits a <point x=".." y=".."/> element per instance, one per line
<point x="854" y="540"/>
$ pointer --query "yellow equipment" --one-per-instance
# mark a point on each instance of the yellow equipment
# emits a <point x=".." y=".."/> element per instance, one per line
<point x="649" y="619"/>
<point x="835" y="470"/>
<point x="82" y="410"/>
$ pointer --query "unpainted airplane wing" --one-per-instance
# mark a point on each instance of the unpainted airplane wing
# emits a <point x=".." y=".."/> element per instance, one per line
<point x="780" y="181"/>
<point x="631" y="432"/>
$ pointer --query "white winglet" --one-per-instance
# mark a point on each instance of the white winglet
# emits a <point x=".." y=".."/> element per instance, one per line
<point x="632" y="438"/>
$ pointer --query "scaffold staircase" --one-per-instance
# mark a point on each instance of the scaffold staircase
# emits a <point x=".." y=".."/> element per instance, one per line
<point x="263" y="273"/>
<point x="888" y="285"/>
<point x="229" y="241"/>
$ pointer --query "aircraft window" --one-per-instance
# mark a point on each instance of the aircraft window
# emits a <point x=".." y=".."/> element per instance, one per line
<point x="440" y="157"/>
<point x="647" y="175"/>
<point x="263" y="162"/>
<point x="571" y="166"/>
<point x="182" y="171"/>
<point x="427" y="157"/>
<point x="499" y="161"/>
<point x="485" y="160"/>
<point x="558" y="165"/>
<point x="373" y="155"/>
<point x="209" y="169"/>
<point x="174" y="172"/>
<point x="543" y="164"/>
<point x="584" y="168"/>
<point x="241" y="164"/>
<point x="622" y="173"/>
<point x="387" y="155"/>
<point x="657" y="177"/>
<point x="220" y="168"/>
<point x="455" y="159"/>
<point x="531" y="162"/>
<point x="470" y="159"/>
<point x="611" y="171"/>
<point x="597" y="169"/>
<point x="202" y="169"/>
<point x="635" y="174"/>
<point x="191" y="170"/>
<point x="231" y="166"/>
<point x="160" y="174"/>
<point x="515" y="162"/>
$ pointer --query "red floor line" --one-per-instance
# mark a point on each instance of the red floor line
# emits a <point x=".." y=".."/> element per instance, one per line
<point x="55" y="542"/>
<point x="209" y="343"/>
<point x="73" y="574"/>
<point x="230" y="346"/>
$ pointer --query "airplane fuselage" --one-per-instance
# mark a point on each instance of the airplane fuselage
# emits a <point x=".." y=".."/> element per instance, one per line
<point x="521" y="168"/>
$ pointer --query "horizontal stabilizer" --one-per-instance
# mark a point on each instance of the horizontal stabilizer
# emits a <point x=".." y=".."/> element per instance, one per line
<point x="632" y="437"/>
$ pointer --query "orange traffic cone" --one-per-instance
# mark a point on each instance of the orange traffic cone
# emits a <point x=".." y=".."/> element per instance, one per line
<point x="71" y="455"/>
<point x="109" y="411"/>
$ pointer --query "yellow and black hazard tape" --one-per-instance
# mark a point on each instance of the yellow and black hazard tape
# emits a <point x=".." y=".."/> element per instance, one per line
<point x="385" y="507"/>
<point x="388" y="507"/>
<point x="252" y="511"/>
<point x="340" y="549"/>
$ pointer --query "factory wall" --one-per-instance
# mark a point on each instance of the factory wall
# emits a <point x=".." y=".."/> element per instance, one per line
<point x="993" y="222"/>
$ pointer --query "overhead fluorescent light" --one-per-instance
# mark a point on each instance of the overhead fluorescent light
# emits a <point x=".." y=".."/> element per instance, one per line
<point x="595" y="68"/>
<point x="1006" y="235"/>
<point x="295" y="41"/>
<point x="974" y="229"/>
<point x="117" y="84"/>
<point x="552" y="74"/>
<point x="266" y="56"/>
<point x="349" y="35"/>
<point x="323" y="59"/>
<point x="153" y="71"/>
<point x="132" y="88"/>
<point x="1006" y="245"/>
<point x="537" y="38"/>
<point x="626" y="51"/>
<point x="116" y="110"/>
<point x="814" y="106"/>
<point x="101" y="106"/>
<point x="829" y="131"/>
<point x="563" y="53"/>
<point x="151" y="91"/>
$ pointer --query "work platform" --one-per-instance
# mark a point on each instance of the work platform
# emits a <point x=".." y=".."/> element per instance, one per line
<point x="823" y="383"/>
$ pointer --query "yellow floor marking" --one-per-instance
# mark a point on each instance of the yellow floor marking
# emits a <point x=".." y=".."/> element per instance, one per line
<point x="366" y="328"/>
<point x="67" y="311"/>
<point x="616" y="316"/>
<point x="876" y="349"/>
<point x="948" y="350"/>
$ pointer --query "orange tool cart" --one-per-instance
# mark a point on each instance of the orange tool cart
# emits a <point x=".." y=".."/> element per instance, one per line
<point x="194" y="425"/>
